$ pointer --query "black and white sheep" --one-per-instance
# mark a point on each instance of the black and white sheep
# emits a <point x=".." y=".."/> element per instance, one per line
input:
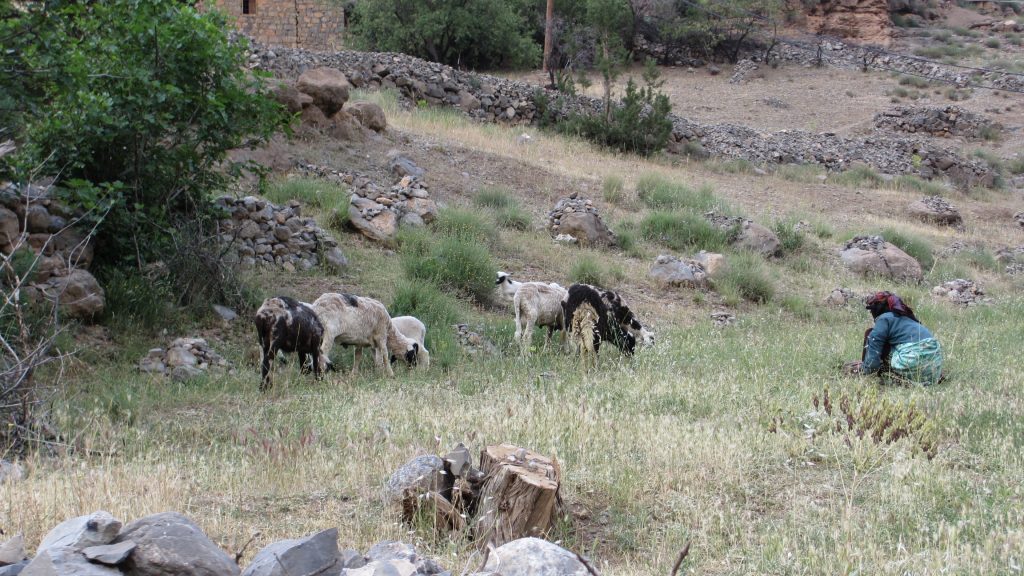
<point x="413" y="329"/>
<point x="615" y="321"/>
<point x="287" y="325"/>
<point x="360" y="321"/>
<point x="538" y="304"/>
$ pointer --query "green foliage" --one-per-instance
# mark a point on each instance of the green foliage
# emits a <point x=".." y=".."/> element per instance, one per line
<point x="638" y="124"/>
<point x="918" y="184"/>
<point x="918" y="248"/>
<point x="136" y="300"/>
<point x="465" y="225"/>
<point x="494" y="198"/>
<point x="133" y="106"/>
<point x="660" y="193"/>
<point x="479" y="34"/>
<point x="507" y="211"/>
<point x="806" y="173"/>
<point x="626" y="235"/>
<point x="859" y="176"/>
<point x="790" y="239"/>
<point x="732" y="166"/>
<point x="454" y="256"/>
<point x="712" y="29"/>
<point x="1015" y="166"/>
<point x="745" y="277"/>
<point x="612" y="189"/>
<point x="437" y="310"/>
<point x="980" y="259"/>
<point x="587" y="270"/>
<point x="683" y="232"/>
<point x="915" y="81"/>
<point x="310" y="192"/>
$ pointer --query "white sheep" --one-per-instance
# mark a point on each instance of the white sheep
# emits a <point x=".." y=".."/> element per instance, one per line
<point x="508" y="287"/>
<point x="359" y="321"/>
<point x="538" y="304"/>
<point x="413" y="329"/>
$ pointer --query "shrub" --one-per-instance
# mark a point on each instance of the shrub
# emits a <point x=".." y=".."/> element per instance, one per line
<point x="914" y="81"/>
<point x="458" y="263"/>
<point x="494" y="198"/>
<point x="587" y="271"/>
<point x="790" y="239"/>
<point x="507" y="212"/>
<point x="660" y="193"/>
<point x="733" y="166"/>
<point x="745" y="277"/>
<point x="465" y="225"/>
<point x="981" y="259"/>
<point x="918" y="184"/>
<point x="806" y="173"/>
<point x="612" y="189"/>
<point x="683" y="232"/>
<point x="626" y="233"/>
<point x="513" y="218"/>
<point x="916" y="247"/>
<point x="638" y="124"/>
<point x="993" y="43"/>
<point x="311" y="192"/>
<point x="859" y="176"/>
<point x="437" y="310"/>
<point x="989" y="132"/>
<point x="1015" y="166"/>
<point x="135" y="300"/>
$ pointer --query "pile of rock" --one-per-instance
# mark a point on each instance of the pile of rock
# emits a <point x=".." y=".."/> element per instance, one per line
<point x="579" y="218"/>
<point x="1012" y="258"/>
<point x="377" y="213"/>
<point x="942" y="122"/>
<point x="472" y="342"/>
<point x="936" y="210"/>
<point x="319" y="96"/>
<point x="261" y="233"/>
<point x="183" y="360"/>
<point x="672" y="271"/>
<point x="746" y="233"/>
<point x="960" y="291"/>
<point x="872" y="255"/>
<point x="741" y="70"/>
<point x="842" y="296"/>
<point x="32" y="221"/>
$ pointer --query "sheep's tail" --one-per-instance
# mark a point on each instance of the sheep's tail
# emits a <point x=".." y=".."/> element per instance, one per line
<point x="583" y="323"/>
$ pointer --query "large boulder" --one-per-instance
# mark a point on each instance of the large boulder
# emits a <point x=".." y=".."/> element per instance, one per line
<point x="94" y="529"/>
<point x="170" y="544"/>
<point x="758" y="238"/>
<point x="872" y="255"/>
<point x="328" y="87"/>
<point x="377" y="224"/>
<point x="78" y="294"/>
<point x="534" y="557"/>
<point x="313" y="554"/>
<point x="370" y="115"/>
<point x="935" y="210"/>
<point x="9" y="229"/>
<point x="669" y="270"/>
<point x="65" y="561"/>
<point x="344" y="126"/>
<point x="290" y="97"/>
<point x="587" y="228"/>
<point x="12" y="551"/>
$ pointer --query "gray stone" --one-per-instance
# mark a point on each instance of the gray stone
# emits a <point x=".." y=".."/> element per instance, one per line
<point x="224" y="312"/>
<point x="411" y="220"/>
<point x="881" y="259"/>
<point x="37" y="219"/>
<point x="757" y="238"/>
<point x="392" y="550"/>
<point x="671" y="271"/>
<point x="370" y="115"/>
<point x="78" y="294"/>
<point x="9" y="228"/>
<point x="335" y="258"/>
<point x="401" y="165"/>
<point x="65" y="561"/>
<point x="94" y="529"/>
<point x="383" y="568"/>
<point x="110" y="554"/>
<point x="381" y="227"/>
<point x="282" y="233"/>
<point x="534" y="557"/>
<point x="179" y="356"/>
<point x="13" y="551"/>
<point x="420" y="474"/>
<point x="10" y="472"/>
<point x="328" y="87"/>
<point x="170" y="544"/>
<point x="587" y="228"/>
<point x="185" y="373"/>
<point x="314" y="554"/>
<point x="350" y="558"/>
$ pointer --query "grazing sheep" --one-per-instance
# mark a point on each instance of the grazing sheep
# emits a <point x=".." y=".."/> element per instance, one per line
<point x="285" y="324"/>
<point x="508" y="287"/>
<point x="625" y="317"/>
<point x="615" y="321"/>
<point x="359" y="321"/>
<point x="538" y="304"/>
<point x="413" y="329"/>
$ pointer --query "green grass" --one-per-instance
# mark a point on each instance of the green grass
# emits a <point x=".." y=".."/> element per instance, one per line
<point x="628" y="238"/>
<point x="918" y="184"/>
<point x="859" y="176"/>
<point x="914" y="81"/>
<point x="465" y="225"/>
<point x="745" y="278"/>
<point x="683" y="232"/>
<point x="806" y="173"/>
<point x="660" y="193"/>
<point x="505" y="207"/>
<point x="588" y="270"/>
<point x="435" y="309"/>
<point x="613" y="189"/>
<point x="790" y="239"/>
<point x="310" y="192"/>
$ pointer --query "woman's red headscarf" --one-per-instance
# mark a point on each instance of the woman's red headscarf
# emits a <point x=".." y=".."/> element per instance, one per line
<point x="889" y="302"/>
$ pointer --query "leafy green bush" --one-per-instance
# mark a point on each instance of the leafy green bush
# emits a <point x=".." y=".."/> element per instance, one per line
<point x="513" y="218"/>
<point x="133" y="107"/>
<point x="918" y="248"/>
<point x="480" y="34"/>
<point x="638" y="124"/>
<point x="438" y="312"/>
<point x="660" y="193"/>
<point x="981" y="259"/>
<point x="462" y="264"/>
<point x="587" y="270"/>
<point x="790" y="239"/>
<point x="745" y="277"/>
<point x="683" y="232"/>
<point x="135" y="300"/>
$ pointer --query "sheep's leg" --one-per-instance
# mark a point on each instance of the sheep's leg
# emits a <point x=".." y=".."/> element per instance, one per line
<point x="381" y="355"/>
<point x="315" y="355"/>
<point x="356" y="357"/>
<point x="518" y="338"/>
<point x="266" y="367"/>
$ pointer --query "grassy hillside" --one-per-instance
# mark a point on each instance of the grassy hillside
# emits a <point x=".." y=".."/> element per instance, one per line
<point x="716" y="436"/>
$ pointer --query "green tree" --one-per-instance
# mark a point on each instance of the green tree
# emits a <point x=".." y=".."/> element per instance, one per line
<point x="462" y="33"/>
<point x="132" y="106"/>
<point x="612" y="20"/>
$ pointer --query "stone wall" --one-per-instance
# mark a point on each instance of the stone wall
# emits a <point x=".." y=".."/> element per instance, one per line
<point x="309" y="24"/>
<point x="492" y="99"/>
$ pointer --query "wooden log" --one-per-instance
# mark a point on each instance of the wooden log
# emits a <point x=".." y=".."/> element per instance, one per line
<point x="519" y="494"/>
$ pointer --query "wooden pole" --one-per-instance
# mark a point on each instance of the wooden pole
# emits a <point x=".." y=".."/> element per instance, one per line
<point x="548" y="25"/>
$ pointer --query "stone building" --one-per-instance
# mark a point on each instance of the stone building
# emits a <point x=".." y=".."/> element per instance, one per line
<point x="307" y="24"/>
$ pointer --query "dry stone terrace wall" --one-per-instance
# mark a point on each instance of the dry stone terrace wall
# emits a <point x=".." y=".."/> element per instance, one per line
<point x="493" y="99"/>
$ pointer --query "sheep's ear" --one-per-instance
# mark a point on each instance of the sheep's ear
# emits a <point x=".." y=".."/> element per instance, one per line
<point x="416" y="347"/>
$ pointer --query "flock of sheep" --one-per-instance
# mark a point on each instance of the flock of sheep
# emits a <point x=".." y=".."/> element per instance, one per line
<point x="590" y="315"/>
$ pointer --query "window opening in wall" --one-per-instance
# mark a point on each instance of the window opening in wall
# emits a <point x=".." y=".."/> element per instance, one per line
<point x="248" y="6"/>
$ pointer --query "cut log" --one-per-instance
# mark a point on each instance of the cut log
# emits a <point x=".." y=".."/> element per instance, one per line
<point x="519" y="494"/>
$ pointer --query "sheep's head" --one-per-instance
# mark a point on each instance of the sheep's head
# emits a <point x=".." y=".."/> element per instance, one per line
<point x="646" y="337"/>
<point x="503" y="277"/>
<point x="412" y="354"/>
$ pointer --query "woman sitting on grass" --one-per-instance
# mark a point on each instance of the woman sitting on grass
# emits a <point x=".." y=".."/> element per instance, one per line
<point x="898" y="344"/>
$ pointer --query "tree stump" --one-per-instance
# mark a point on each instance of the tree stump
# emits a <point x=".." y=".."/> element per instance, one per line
<point x="519" y="494"/>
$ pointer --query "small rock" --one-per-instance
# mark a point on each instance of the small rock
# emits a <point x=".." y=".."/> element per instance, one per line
<point x="169" y="543"/>
<point x="13" y="551"/>
<point x="94" y="529"/>
<point x="185" y="373"/>
<point x="65" y="561"/>
<point x="10" y="472"/>
<point x="180" y="356"/>
<point x="225" y="313"/>
<point x="314" y="554"/>
<point x="111" y="554"/>
<point x="534" y="557"/>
